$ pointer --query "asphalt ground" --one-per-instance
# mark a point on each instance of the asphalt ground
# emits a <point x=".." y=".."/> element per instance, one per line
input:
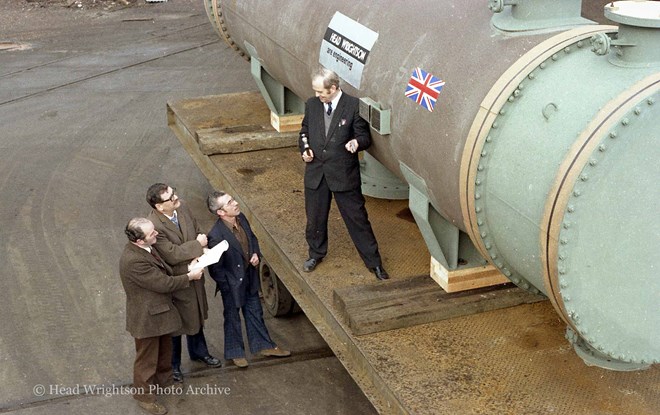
<point x="83" y="133"/>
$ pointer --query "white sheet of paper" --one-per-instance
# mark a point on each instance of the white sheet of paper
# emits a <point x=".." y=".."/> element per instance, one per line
<point x="211" y="256"/>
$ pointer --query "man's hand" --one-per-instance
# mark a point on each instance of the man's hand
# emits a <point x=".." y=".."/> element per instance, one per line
<point x="195" y="275"/>
<point x="308" y="155"/>
<point x="254" y="260"/>
<point x="352" y="146"/>
<point x="201" y="238"/>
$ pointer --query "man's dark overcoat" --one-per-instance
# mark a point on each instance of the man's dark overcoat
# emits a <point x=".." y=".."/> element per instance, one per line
<point x="231" y="271"/>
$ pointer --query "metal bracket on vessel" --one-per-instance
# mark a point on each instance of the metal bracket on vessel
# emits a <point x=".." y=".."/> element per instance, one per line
<point x="377" y="117"/>
<point x="379" y="182"/>
<point x="531" y="15"/>
<point x="447" y="244"/>
<point x="280" y="99"/>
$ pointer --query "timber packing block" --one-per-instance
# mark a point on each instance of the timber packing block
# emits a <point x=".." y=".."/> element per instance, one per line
<point x="229" y="123"/>
<point x="237" y="139"/>
<point x="396" y="304"/>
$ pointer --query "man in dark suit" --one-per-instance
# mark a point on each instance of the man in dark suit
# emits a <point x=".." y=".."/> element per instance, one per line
<point x="150" y="314"/>
<point x="180" y="239"/>
<point x="237" y="279"/>
<point x="331" y="136"/>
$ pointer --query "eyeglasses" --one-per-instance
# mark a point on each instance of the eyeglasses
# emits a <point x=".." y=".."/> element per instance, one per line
<point x="171" y="198"/>
<point x="230" y="202"/>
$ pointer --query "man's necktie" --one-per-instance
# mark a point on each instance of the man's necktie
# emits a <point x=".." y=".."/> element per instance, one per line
<point x="155" y="255"/>
<point x="175" y="221"/>
<point x="329" y="108"/>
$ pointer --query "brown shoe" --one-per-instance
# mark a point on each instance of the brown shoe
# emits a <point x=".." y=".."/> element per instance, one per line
<point x="153" y="407"/>
<point x="275" y="352"/>
<point x="240" y="362"/>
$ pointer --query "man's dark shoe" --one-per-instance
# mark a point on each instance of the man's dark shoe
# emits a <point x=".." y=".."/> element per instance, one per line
<point x="310" y="264"/>
<point x="380" y="272"/>
<point x="177" y="376"/>
<point x="210" y="361"/>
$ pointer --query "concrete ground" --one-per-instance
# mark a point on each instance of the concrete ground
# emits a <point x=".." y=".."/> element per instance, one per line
<point x="83" y="133"/>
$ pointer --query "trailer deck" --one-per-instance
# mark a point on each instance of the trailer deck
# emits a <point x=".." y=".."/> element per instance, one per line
<point x="511" y="360"/>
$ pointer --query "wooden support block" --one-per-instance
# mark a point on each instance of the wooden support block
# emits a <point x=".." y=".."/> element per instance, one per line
<point x="218" y="111"/>
<point x="402" y="303"/>
<point x="466" y="278"/>
<point x="230" y="123"/>
<point x="286" y="123"/>
<point x="238" y="139"/>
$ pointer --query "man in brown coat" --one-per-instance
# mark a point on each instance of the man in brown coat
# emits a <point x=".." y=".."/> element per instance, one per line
<point x="150" y="314"/>
<point x="180" y="239"/>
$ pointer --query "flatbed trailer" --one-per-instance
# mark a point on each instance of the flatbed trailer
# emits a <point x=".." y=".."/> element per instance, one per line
<point x="400" y="341"/>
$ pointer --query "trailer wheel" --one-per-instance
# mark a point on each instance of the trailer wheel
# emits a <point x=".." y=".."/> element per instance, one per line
<point x="277" y="299"/>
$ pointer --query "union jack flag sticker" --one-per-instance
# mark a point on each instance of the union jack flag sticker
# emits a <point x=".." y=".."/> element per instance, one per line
<point x="424" y="88"/>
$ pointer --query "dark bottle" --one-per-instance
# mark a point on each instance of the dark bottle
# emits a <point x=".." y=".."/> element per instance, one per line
<point x="307" y="151"/>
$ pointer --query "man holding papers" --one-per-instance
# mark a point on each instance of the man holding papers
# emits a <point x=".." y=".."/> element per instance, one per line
<point x="211" y="256"/>
<point x="180" y="239"/>
<point x="237" y="278"/>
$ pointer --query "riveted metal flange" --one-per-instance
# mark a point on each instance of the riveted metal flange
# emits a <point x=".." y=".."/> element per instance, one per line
<point x="215" y="14"/>
<point x="594" y="357"/>
<point x="612" y="307"/>
<point x="509" y="89"/>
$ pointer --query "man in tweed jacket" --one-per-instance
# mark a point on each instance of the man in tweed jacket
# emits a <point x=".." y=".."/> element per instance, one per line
<point x="150" y="315"/>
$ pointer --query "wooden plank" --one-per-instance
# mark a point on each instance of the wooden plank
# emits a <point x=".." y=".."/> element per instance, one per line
<point x="402" y="303"/>
<point x="221" y="111"/>
<point x="238" y="139"/>
<point x="466" y="278"/>
<point x="231" y="123"/>
<point x="352" y="297"/>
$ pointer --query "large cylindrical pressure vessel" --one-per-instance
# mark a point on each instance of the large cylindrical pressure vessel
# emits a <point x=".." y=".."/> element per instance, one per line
<point x="540" y="146"/>
<point x="433" y="36"/>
